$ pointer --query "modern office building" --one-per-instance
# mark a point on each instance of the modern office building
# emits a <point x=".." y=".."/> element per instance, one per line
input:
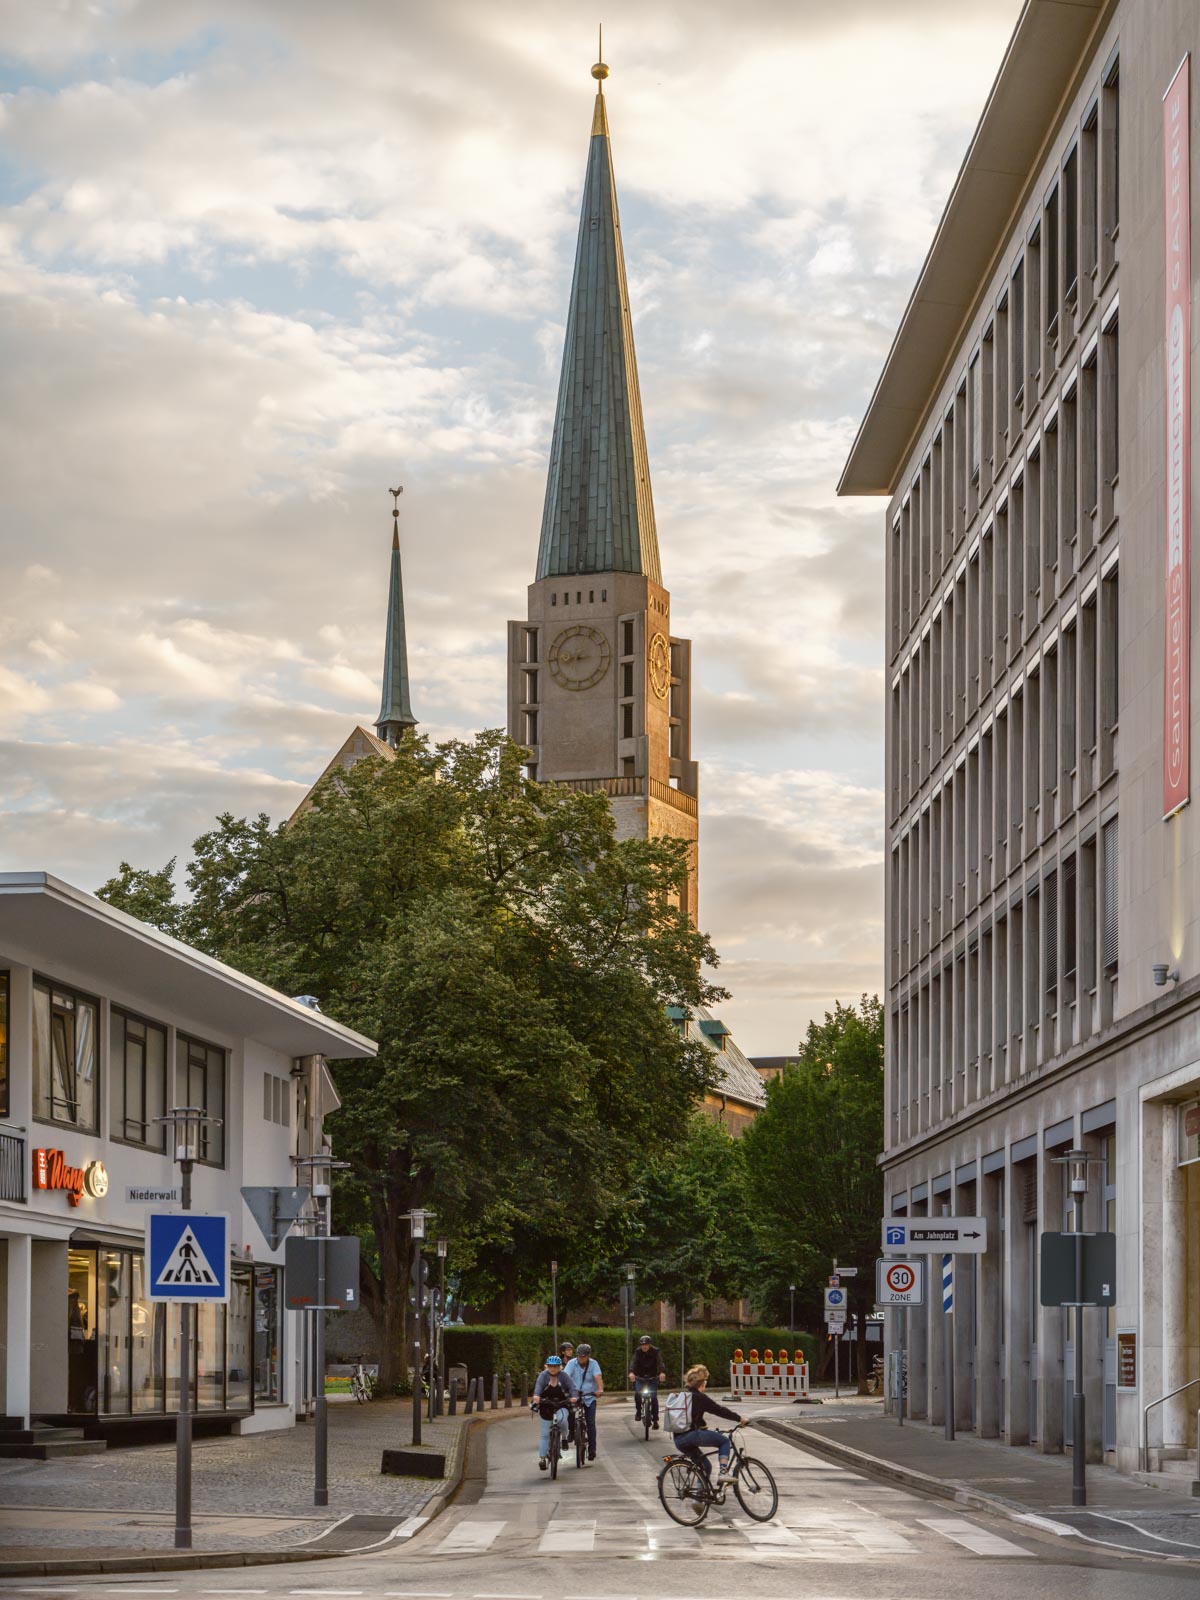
<point x="1032" y="431"/>
<point x="105" y="1025"/>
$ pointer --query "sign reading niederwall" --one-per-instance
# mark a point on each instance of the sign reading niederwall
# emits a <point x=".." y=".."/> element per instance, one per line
<point x="1177" y="643"/>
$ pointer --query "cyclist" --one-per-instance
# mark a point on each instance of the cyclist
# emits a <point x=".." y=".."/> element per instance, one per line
<point x="552" y="1397"/>
<point x="646" y="1372"/>
<point x="585" y="1374"/>
<point x="693" y="1439"/>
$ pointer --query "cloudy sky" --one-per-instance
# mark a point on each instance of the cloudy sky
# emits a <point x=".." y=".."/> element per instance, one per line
<point x="260" y="259"/>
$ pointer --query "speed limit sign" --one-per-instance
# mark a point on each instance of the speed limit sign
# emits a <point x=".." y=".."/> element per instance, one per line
<point x="900" y="1283"/>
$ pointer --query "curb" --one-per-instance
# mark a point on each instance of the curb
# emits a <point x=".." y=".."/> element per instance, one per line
<point x="908" y="1477"/>
<point x="204" y="1560"/>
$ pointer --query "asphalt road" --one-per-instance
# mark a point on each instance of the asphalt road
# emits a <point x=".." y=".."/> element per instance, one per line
<point x="601" y="1534"/>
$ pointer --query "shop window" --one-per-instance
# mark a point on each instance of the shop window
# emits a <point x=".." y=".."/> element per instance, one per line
<point x="268" y="1340"/>
<point x="148" y="1322"/>
<point x="64" y="1056"/>
<point x="200" y="1081"/>
<point x="137" y="1071"/>
<point x="82" y="1332"/>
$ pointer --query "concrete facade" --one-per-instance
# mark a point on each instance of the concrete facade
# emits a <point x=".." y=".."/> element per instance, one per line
<point x="1033" y="882"/>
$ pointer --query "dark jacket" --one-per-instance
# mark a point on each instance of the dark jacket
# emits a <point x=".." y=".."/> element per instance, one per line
<point x="550" y="1399"/>
<point x="703" y="1407"/>
<point x="647" y="1362"/>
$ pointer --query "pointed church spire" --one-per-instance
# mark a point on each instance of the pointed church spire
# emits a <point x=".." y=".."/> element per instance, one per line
<point x="395" y="713"/>
<point x="599" y="513"/>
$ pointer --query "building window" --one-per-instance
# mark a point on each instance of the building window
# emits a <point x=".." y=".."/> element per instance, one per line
<point x="975" y="423"/>
<point x="276" y="1100"/>
<point x="65" y="1067"/>
<point x="200" y="1081"/>
<point x="1109" y="669"/>
<point x="1033" y="308"/>
<point x="4" y="1110"/>
<point x="554" y="599"/>
<point x="1018" y="333"/>
<point x="1109" y="848"/>
<point x="1110" y="438"/>
<point x="1050" y="253"/>
<point x="1070" y="926"/>
<point x="627" y="722"/>
<point x="1070" y="226"/>
<point x="1110" y="182"/>
<point x="268" y="1335"/>
<point x="627" y="638"/>
<point x="137" y="1070"/>
<point x="531" y="647"/>
<point x="1089" y="193"/>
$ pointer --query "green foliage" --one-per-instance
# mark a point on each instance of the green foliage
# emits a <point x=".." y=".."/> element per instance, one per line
<point x="811" y="1159"/>
<point x="148" y="896"/>
<point x="513" y="960"/>
<point x="486" y="1350"/>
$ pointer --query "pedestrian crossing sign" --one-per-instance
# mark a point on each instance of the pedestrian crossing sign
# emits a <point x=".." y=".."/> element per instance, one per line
<point x="188" y="1255"/>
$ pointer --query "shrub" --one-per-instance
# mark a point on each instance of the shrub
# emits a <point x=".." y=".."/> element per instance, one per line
<point x="486" y="1350"/>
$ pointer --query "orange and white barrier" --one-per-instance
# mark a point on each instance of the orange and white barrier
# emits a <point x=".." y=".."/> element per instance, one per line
<point x="769" y="1380"/>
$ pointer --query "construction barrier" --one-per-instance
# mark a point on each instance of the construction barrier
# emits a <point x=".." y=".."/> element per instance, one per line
<point x="773" y="1380"/>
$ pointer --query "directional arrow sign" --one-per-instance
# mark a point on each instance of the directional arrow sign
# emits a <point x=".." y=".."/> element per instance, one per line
<point x="963" y="1236"/>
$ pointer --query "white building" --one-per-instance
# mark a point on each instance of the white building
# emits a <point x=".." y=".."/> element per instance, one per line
<point x="106" y="1023"/>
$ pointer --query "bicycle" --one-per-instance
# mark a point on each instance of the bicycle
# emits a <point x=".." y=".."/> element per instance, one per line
<point x="687" y="1490"/>
<point x="557" y="1444"/>
<point x="645" y="1394"/>
<point x="362" y="1383"/>
<point x="875" y="1376"/>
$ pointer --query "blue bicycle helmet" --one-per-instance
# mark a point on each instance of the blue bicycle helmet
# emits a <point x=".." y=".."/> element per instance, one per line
<point x="554" y="1361"/>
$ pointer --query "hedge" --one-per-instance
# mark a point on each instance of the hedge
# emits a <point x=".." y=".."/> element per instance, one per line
<point x="485" y="1350"/>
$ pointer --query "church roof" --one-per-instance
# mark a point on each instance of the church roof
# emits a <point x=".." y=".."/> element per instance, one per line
<point x="599" y="513"/>
<point x="395" y="709"/>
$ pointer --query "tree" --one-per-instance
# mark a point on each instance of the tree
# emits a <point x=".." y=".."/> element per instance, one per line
<point x="811" y="1159"/>
<point x="149" y="896"/>
<point x="513" y="960"/>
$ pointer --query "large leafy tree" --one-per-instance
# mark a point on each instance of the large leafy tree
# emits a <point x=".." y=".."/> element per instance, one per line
<point x="811" y="1160"/>
<point x="514" y="961"/>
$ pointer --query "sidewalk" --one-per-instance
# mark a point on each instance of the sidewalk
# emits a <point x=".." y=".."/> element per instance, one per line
<point x="252" y="1494"/>
<point x="989" y="1475"/>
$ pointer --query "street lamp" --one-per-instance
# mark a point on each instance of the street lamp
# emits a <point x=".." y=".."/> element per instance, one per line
<point x="438" y="1329"/>
<point x="792" y="1309"/>
<point x="630" y="1272"/>
<point x="1077" y="1163"/>
<point x="417" y="1218"/>
<point x="320" y="1169"/>
<point x="185" y="1123"/>
<point x="554" y="1296"/>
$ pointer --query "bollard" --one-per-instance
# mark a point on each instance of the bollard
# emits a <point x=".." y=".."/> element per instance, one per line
<point x="524" y="1389"/>
<point x="470" y="1405"/>
<point x="454" y="1397"/>
<point x="495" y="1392"/>
<point x="508" y="1391"/>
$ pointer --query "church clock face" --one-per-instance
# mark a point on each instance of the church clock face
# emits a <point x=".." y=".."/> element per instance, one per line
<point x="660" y="666"/>
<point x="579" y="657"/>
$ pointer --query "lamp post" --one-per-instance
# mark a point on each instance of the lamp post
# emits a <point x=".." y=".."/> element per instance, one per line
<point x="320" y="1169"/>
<point x="1077" y="1163"/>
<point x="554" y="1297"/>
<point x="630" y="1272"/>
<point x="185" y="1123"/>
<point x="439" y="1344"/>
<point x="417" y="1218"/>
<point x="792" y="1309"/>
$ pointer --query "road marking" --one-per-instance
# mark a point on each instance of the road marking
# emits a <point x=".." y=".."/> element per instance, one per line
<point x="408" y="1528"/>
<point x="562" y="1538"/>
<point x="469" y="1538"/>
<point x="771" y="1534"/>
<point x="671" y="1536"/>
<point x="978" y="1540"/>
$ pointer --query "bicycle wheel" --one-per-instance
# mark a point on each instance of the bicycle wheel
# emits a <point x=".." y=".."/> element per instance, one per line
<point x="647" y="1413"/>
<point x="683" y="1492"/>
<point x="555" y="1450"/>
<point x="755" y="1490"/>
<point x="357" y="1389"/>
<point x="580" y="1440"/>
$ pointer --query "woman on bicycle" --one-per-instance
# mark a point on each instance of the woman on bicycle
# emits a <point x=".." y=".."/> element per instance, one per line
<point x="552" y="1394"/>
<point x="695" y="1438"/>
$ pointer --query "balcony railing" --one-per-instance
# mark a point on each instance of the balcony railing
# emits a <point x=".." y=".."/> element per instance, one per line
<point x="12" y="1165"/>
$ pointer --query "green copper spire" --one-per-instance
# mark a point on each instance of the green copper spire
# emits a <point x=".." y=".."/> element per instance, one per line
<point x="395" y="713"/>
<point x="599" y="513"/>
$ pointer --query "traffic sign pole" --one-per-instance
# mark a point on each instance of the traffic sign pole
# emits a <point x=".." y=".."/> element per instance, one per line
<point x="183" y="1425"/>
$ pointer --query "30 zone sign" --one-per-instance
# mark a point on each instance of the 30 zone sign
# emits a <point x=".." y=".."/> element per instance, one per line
<point x="900" y="1283"/>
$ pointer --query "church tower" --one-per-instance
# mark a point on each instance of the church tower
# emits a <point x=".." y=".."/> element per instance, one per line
<point x="599" y="689"/>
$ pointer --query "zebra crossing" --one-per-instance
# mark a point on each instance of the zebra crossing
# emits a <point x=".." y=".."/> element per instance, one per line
<point x="823" y="1533"/>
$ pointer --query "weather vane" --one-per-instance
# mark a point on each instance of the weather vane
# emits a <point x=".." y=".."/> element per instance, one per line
<point x="395" y="494"/>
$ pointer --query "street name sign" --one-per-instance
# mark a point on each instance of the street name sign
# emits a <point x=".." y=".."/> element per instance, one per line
<point x="900" y="1283"/>
<point x="188" y="1255"/>
<point x="936" y="1235"/>
<point x="847" y="1272"/>
<point x="151" y="1194"/>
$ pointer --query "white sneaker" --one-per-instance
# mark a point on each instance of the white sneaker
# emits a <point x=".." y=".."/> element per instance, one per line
<point x="726" y="1475"/>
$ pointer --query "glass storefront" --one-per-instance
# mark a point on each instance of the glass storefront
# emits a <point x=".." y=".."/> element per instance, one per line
<point x="123" y="1351"/>
<point x="268" y="1343"/>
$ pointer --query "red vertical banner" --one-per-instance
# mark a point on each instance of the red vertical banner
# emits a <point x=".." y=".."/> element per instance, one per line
<point x="1177" y="642"/>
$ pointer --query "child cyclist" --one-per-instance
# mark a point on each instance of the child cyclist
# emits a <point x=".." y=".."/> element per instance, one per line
<point x="552" y="1396"/>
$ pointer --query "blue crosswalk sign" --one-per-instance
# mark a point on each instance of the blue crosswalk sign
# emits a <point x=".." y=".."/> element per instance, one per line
<point x="187" y="1254"/>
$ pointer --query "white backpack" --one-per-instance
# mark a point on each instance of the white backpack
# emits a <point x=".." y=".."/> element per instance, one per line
<point x="679" y="1411"/>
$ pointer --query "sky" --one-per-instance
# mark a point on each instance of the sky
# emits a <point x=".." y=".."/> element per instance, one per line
<point x="262" y="259"/>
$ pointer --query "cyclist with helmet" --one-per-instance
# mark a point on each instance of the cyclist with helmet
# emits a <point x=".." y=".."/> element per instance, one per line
<point x="646" y="1372"/>
<point x="585" y="1374"/>
<point x="552" y="1397"/>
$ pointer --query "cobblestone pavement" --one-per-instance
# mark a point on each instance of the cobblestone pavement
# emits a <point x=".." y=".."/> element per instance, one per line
<point x="247" y="1493"/>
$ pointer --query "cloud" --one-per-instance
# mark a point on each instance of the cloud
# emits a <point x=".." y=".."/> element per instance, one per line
<point x="260" y="262"/>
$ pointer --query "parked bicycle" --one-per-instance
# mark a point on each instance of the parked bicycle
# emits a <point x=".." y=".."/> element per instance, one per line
<point x="362" y="1382"/>
<point x="875" y="1376"/>
<point x="687" y="1489"/>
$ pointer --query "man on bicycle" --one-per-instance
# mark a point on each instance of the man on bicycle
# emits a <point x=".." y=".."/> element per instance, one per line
<point x="585" y="1374"/>
<point x="552" y="1396"/>
<point x="646" y="1372"/>
<point x="692" y="1440"/>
